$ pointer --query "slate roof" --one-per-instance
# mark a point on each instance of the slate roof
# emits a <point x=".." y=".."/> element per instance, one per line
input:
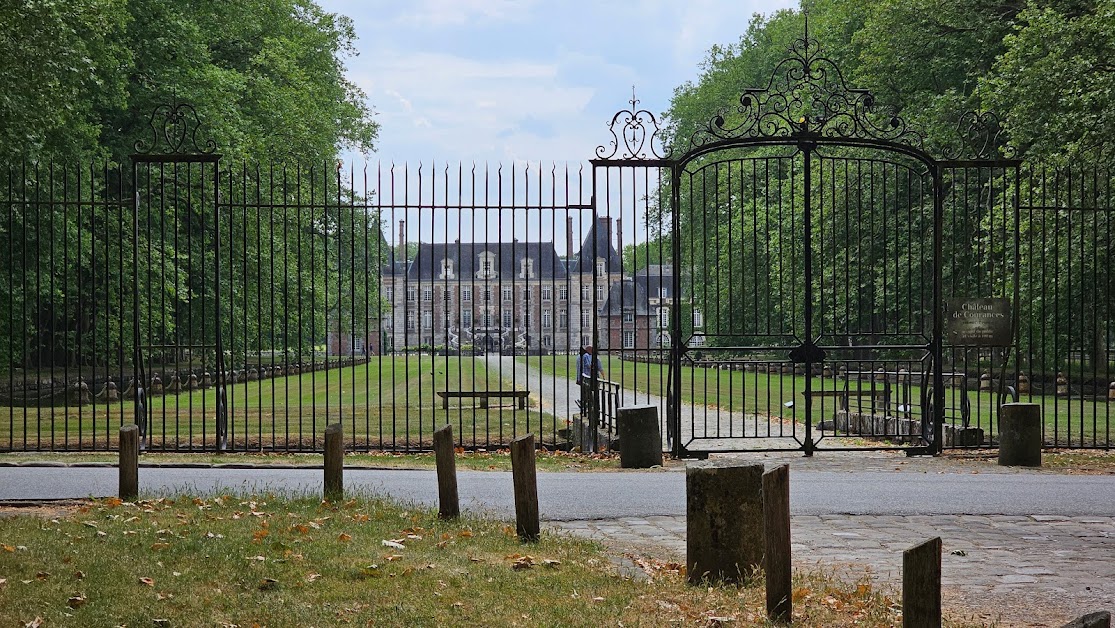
<point x="636" y="291"/>
<point x="598" y="241"/>
<point x="427" y="263"/>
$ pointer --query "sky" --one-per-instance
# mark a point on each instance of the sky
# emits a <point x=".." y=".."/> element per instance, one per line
<point x="525" y="81"/>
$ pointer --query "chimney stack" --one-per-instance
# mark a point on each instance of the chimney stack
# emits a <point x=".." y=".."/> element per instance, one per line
<point x="569" y="237"/>
<point x="402" y="241"/>
<point x="619" y="238"/>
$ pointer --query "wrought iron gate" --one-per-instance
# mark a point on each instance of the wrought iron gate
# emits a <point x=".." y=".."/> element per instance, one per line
<point x="806" y="239"/>
<point x="176" y="294"/>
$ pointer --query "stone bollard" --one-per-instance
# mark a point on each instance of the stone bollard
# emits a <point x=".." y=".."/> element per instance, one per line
<point x="1020" y="435"/>
<point x="173" y="385"/>
<point x="1023" y="384"/>
<point x="985" y="382"/>
<point x="640" y="437"/>
<point x="206" y="380"/>
<point x="826" y="372"/>
<point x="724" y="521"/>
<point x="1102" y="619"/>
<point x="156" y="385"/>
<point x="1111" y="392"/>
<point x="191" y="382"/>
<point x="1062" y="385"/>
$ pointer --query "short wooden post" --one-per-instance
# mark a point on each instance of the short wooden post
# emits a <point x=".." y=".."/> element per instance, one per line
<point x="921" y="585"/>
<point x="449" y="506"/>
<point x="129" y="462"/>
<point x="776" y="534"/>
<point x="526" y="488"/>
<point x="334" y="462"/>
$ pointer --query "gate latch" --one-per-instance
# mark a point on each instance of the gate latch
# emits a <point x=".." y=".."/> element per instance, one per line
<point x="807" y="352"/>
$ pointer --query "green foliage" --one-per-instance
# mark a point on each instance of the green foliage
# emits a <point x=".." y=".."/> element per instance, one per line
<point x="266" y="76"/>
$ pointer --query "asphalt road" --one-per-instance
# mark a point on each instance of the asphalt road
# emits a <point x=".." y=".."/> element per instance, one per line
<point x="583" y="495"/>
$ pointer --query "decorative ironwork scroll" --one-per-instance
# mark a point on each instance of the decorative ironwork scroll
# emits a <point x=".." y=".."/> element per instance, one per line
<point x="807" y="96"/>
<point x="174" y="130"/>
<point x="642" y="137"/>
<point x="979" y="136"/>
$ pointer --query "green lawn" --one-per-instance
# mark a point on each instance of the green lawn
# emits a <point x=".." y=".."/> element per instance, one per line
<point x="267" y="560"/>
<point x="386" y="403"/>
<point x="1068" y="422"/>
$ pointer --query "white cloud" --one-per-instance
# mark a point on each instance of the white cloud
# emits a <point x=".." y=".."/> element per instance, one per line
<point x="444" y="13"/>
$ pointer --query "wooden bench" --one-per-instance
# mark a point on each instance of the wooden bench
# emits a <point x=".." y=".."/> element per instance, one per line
<point x="483" y="396"/>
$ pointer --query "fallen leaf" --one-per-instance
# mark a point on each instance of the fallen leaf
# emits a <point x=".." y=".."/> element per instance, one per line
<point x="312" y="577"/>
<point x="159" y="546"/>
<point x="344" y="537"/>
<point x="442" y="544"/>
<point x="76" y="601"/>
<point x="393" y="557"/>
<point x="163" y="596"/>
<point x="113" y="502"/>
<point x="464" y="534"/>
<point x="78" y="575"/>
<point x="550" y="562"/>
<point x="259" y="558"/>
<point x="258" y="535"/>
<point x="148" y="581"/>
<point x="393" y="544"/>
<point x="34" y="623"/>
<point x="7" y="548"/>
<point x="268" y="584"/>
<point x="42" y="575"/>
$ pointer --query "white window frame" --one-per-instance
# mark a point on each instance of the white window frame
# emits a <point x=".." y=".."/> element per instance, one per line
<point x="563" y="293"/>
<point x="629" y="339"/>
<point x="466" y="293"/>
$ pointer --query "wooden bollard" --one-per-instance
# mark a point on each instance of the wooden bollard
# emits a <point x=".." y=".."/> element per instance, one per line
<point x="921" y="585"/>
<point x="776" y="532"/>
<point x="334" y="462"/>
<point x="525" y="479"/>
<point x="449" y="505"/>
<point x="129" y="462"/>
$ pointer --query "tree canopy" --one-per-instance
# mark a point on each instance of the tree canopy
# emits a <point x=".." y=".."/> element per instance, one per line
<point x="1044" y="67"/>
<point x="81" y="77"/>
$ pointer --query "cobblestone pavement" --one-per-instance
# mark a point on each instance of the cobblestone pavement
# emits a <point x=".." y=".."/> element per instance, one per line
<point x="1038" y="570"/>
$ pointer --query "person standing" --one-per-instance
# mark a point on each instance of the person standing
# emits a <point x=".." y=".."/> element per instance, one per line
<point x="588" y="369"/>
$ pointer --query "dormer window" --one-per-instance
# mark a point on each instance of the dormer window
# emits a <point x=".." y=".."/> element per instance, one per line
<point x="601" y="267"/>
<point x="526" y="268"/>
<point x="447" y="269"/>
<point x="487" y="266"/>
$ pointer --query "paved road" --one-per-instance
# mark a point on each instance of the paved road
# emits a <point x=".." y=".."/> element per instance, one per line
<point x="581" y="495"/>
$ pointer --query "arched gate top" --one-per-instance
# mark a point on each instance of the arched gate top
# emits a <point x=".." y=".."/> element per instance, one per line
<point x="807" y="99"/>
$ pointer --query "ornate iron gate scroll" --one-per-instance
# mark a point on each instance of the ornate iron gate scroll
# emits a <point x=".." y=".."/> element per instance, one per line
<point x="806" y="233"/>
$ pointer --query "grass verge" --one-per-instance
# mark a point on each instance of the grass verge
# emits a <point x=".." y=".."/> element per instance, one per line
<point x="497" y="460"/>
<point x="244" y="560"/>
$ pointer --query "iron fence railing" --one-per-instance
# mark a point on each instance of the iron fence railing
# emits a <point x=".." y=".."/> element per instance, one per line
<point x="255" y="304"/>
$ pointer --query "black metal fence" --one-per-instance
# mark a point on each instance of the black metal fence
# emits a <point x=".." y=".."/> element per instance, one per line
<point x="257" y="303"/>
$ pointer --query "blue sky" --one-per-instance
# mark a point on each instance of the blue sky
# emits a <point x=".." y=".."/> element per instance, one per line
<point x="525" y="80"/>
